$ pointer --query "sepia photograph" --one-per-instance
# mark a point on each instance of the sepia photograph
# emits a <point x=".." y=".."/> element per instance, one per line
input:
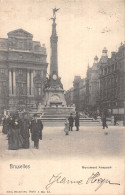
<point x="62" y="97"/>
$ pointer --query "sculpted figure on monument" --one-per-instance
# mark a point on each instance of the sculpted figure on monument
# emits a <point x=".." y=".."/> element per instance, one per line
<point x="54" y="12"/>
<point x="47" y="83"/>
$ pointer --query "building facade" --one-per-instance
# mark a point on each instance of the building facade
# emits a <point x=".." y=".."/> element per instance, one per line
<point x="23" y="69"/>
<point x="112" y="82"/>
<point x="92" y="85"/>
<point x="77" y="94"/>
<point x="104" y="85"/>
<point x="69" y="96"/>
<point x="82" y="94"/>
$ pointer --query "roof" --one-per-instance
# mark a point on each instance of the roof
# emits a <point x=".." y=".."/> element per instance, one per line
<point x="19" y="33"/>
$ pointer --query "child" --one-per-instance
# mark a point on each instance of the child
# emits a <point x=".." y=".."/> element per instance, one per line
<point x="66" y="129"/>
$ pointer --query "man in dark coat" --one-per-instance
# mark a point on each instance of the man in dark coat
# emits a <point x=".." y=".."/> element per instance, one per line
<point x="115" y="120"/>
<point x="104" y="124"/>
<point x="71" y="120"/>
<point x="25" y="125"/>
<point x="77" y="121"/>
<point x="36" y="131"/>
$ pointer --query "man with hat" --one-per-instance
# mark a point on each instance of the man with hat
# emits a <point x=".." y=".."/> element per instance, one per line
<point x="71" y="120"/>
<point x="77" y="121"/>
<point x="36" y="130"/>
<point x="25" y="130"/>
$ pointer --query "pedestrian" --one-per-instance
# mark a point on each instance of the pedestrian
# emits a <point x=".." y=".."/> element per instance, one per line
<point x="115" y="120"/>
<point x="36" y="128"/>
<point x="25" y="125"/>
<point x="14" y="138"/>
<point x="71" y="120"/>
<point x="5" y="125"/>
<point x="77" y="121"/>
<point x="66" y="129"/>
<point x="104" y="124"/>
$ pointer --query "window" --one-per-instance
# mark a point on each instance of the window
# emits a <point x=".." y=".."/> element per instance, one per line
<point x="20" y="56"/>
<point x="120" y="66"/>
<point x="4" y="84"/>
<point x="21" y="89"/>
<point x="105" y="70"/>
<point x="37" y="48"/>
<point x="2" y="71"/>
<point x="109" y="84"/>
<point x="20" y="71"/>
<point x="116" y="80"/>
<point x="20" y="44"/>
<point x="109" y="70"/>
<point x="38" y="72"/>
<point x="115" y="93"/>
<point x="39" y="91"/>
<point x="112" y="67"/>
<point x="38" y="59"/>
<point x="116" y="66"/>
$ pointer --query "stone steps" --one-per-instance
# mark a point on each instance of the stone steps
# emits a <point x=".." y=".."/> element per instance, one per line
<point x="83" y="121"/>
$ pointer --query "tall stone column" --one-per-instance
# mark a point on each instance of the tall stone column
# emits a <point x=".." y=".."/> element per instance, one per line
<point x="14" y="82"/>
<point x="27" y="82"/>
<point x="32" y="87"/>
<point x="10" y="82"/>
<point x="54" y="56"/>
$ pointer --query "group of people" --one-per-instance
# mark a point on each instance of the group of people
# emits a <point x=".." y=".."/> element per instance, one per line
<point x="70" y="122"/>
<point x="18" y="130"/>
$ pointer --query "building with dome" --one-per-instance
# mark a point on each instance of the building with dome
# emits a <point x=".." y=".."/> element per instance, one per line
<point x="23" y="69"/>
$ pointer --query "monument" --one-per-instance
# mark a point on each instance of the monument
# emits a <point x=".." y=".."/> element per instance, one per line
<point x="54" y="93"/>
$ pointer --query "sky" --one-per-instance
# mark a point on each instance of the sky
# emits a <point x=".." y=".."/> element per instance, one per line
<point x="84" y="28"/>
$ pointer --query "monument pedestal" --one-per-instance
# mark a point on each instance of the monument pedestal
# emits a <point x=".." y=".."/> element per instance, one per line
<point x="54" y="97"/>
<point x="55" y="103"/>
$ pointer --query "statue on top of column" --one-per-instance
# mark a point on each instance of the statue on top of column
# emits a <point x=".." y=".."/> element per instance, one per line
<point x="54" y="14"/>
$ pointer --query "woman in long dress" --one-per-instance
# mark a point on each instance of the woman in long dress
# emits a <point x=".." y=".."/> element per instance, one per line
<point x="14" y="137"/>
<point x="4" y="130"/>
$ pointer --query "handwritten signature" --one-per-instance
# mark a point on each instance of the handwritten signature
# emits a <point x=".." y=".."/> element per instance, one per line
<point x="94" y="178"/>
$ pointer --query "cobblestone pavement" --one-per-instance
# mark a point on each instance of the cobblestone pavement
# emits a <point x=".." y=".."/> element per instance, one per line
<point x="89" y="141"/>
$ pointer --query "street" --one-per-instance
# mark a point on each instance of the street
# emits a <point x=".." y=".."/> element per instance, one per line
<point x="89" y="141"/>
